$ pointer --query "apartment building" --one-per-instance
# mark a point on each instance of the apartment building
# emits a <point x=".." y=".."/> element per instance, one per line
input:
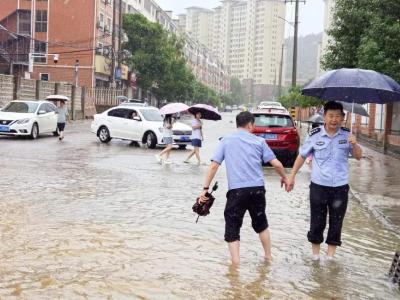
<point x="206" y="67"/>
<point x="79" y="32"/>
<point x="247" y="35"/>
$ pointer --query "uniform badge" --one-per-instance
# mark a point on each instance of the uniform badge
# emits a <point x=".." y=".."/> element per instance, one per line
<point x="342" y="142"/>
<point x="320" y="143"/>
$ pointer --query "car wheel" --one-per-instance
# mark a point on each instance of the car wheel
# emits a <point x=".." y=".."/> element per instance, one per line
<point x="104" y="135"/>
<point x="182" y="147"/>
<point x="57" y="132"/>
<point x="34" y="131"/>
<point x="151" y="140"/>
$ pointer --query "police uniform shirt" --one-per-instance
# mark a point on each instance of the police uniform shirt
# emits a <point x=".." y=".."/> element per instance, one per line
<point x="330" y="166"/>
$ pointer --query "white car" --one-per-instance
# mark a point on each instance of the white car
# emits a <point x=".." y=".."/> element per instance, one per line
<point x="28" y="118"/>
<point x="272" y="105"/>
<point x="137" y="123"/>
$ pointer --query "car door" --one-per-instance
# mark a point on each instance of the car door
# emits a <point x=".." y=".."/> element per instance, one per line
<point x="52" y="116"/>
<point x="116" y="119"/>
<point x="133" y="125"/>
<point x="43" y="117"/>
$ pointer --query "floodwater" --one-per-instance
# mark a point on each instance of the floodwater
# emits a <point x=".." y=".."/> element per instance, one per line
<point x="84" y="220"/>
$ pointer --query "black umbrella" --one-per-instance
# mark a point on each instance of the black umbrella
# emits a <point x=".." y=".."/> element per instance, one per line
<point x="317" y="118"/>
<point x="207" y="112"/>
<point x="354" y="86"/>
<point x="203" y="209"/>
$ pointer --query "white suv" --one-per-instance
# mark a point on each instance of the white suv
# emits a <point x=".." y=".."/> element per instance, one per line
<point x="137" y="123"/>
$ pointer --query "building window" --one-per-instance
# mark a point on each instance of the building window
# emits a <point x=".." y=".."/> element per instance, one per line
<point x="40" y="48"/>
<point x="24" y="22"/>
<point x="44" y="76"/>
<point x="41" y="21"/>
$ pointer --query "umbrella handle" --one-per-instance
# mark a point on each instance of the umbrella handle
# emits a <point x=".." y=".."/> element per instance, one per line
<point x="351" y="120"/>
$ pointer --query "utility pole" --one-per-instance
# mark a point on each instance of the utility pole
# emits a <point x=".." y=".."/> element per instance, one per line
<point x="280" y="73"/>
<point x="113" y="52"/>
<point x="76" y="72"/>
<point x="295" y="38"/>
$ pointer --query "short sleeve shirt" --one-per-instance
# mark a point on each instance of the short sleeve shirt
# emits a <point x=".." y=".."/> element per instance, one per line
<point x="196" y="133"/>
<point x="62" y="114"/>
<point x="243" y="154"/>
<point x="330" y="166"/>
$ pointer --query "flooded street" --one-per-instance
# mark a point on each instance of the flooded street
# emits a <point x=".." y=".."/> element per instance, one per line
<point x="84" y="220"/>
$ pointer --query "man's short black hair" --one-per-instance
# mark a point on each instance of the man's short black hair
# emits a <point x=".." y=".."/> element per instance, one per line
<point x="333" y="105"/>
<point x="244" y="118"/>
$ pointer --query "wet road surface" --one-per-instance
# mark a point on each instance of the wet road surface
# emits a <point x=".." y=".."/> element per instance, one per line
<point x="84" y="220"/>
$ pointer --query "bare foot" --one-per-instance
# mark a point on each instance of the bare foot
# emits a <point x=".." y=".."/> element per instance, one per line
<point x="268" y="258"/>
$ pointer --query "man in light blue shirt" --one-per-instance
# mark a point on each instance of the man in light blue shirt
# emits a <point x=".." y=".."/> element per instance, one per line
<point x="244" y="153"/>
<point x="330" y="146"/>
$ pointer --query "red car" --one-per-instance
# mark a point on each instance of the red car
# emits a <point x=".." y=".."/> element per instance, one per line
<point x="280" y="133"/>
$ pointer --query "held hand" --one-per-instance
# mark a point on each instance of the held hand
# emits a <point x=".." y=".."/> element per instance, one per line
<point x="290" y="183"/>
<point x="352" y="139"/>
<point x="202" y="197"/>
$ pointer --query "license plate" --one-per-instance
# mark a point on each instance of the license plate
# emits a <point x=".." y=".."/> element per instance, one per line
<point x="184" y="139"/>
<point x="270" y="136"/>
<point x="4" y="128"/>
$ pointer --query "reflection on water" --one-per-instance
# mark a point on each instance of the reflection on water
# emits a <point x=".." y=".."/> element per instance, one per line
<point x="108" y="222"/>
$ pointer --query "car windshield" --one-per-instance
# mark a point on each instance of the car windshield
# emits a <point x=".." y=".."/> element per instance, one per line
<point x="263" y="120"/>
<point x="151" y="115"/>
<point x="21" y="107"/>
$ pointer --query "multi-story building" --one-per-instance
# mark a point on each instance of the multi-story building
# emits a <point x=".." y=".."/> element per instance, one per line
<point x="206" y="67"/>
<point x="80" y="32"/>
<point x="247" y="36"/>
<point x="199" y="24"/>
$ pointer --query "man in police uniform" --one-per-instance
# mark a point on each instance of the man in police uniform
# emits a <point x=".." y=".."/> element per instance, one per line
<point x="330" y="145"/>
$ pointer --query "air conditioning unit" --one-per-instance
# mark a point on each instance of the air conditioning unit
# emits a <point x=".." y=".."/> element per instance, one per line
<point x="107" y="28"/>
<point x="99" y="51"/>
<point x="100" y="24"/>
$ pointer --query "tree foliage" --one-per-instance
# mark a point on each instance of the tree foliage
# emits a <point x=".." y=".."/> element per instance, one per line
<point x="365" y="34"/>
<point x="157" y="57"/>
<point x="295" y="98"/>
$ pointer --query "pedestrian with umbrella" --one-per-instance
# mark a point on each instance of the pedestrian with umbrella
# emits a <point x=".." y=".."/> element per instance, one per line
<point x="62" y="113"/>
<point x="331" y="145"/>
<point x="168" y="111"/>
<point x="200" y="111"/>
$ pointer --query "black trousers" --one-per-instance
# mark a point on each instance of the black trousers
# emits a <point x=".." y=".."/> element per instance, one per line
<point x="238" y="202"/>
<point x="324" y="200"/>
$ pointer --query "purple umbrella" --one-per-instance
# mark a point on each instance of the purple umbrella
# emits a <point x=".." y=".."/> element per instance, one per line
<point x="207" y="112"/>
<point x="173" y="108"/>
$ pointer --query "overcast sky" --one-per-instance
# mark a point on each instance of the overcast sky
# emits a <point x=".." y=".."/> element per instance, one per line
<point x="311" y="13"/>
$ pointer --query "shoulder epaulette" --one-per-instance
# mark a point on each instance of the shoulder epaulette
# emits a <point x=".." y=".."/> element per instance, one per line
<point x="314" y="131"/>
<point x="345" y="129"/>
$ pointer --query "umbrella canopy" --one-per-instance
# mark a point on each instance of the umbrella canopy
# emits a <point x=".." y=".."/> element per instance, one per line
<point x="173" y="108"/>
<point x="354" y="86"/>
<point x="357" y="109"/>
<point x="207" y="112"/>
<point x="317" y="118"/>
<point x="57" y="98"/>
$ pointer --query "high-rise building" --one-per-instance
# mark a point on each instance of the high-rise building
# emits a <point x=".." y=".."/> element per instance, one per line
<point x="247" y="35"/>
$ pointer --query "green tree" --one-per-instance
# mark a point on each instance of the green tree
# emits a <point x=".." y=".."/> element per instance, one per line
<point x="380" y="45"/>
<point x="365" y="34"/>
<point x="295" y="98"/>
<point x="351" y="18"/>
<point x="158" y="58"/>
